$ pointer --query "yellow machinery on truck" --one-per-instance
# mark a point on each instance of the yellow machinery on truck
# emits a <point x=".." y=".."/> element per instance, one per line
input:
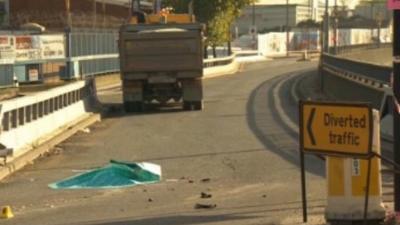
<point x="161" y="58"/>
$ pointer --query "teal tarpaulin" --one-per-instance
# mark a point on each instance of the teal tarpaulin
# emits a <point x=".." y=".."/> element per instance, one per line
<point x="115" y="175"/>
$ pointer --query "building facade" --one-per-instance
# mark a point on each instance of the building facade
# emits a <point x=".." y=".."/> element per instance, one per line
<point x="268" y="17"/>
<point x="373" y="10"/>
<point x="4" y="12"/>
<point x="52" y="14"/>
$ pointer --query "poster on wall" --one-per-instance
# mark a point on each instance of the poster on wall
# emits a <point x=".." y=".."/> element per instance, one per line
<point x="27" y="48"/>
<point x="272" y="44"/>
<point x="304" y="40"/>
<point x="52" y="46"/>
<point x="33" y="74"/>
<point x="7" y="50"/>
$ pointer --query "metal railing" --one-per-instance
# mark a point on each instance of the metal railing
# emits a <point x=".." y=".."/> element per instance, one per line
<point x="375" y="73"/>
<point x="352" y="80"/>
<point x="219" y="61"/>
<point x="27" y="119"/>
<point x="339" y="50"/>
<point x="87" y="53"/>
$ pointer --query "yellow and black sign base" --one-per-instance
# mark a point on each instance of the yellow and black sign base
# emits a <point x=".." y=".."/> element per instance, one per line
<point x="349" y="136"/>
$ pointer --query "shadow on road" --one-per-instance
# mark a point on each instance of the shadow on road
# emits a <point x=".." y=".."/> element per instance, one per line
<point x="116" y="110"/>
<point x="238" y="215"/>
<point x="177" y="220"/>
<point x="268" y="126"/>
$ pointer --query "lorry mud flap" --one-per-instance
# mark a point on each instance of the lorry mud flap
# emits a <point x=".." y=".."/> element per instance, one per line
<point x="192" y="94"/>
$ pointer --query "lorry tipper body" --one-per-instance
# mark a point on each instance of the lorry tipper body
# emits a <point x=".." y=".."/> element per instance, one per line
<point x="162" y="61"/>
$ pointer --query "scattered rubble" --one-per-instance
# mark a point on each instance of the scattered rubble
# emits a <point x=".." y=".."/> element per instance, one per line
<point x="205" y="206"/>
<point x="205" y="195"/>
<point x="85" y="130"/>
<point x="205" y="180"/>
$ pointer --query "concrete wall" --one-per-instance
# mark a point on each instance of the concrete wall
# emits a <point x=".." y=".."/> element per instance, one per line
<point x="28" y="120"/>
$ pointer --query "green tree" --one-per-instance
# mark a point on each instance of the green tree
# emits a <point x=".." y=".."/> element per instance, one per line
<point x="217" y="15"/>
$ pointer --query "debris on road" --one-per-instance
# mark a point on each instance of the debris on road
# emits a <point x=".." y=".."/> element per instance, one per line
<point x="115" y="175"/>
<point x="172" y="180"/>
<point x="205" y="206"/>
<point x="205" y="195"/>
<point x="57" y="150"/>
<point x="150" y="200"/>
<point x="205" y="180"/>
<point x="85" y="130"/>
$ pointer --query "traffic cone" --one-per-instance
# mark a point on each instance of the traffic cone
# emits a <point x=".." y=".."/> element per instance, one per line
<point x="6" y="213"/>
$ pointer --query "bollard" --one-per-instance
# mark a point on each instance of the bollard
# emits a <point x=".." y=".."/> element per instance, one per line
<point x="15" y="81"/>
<point x="6" y="213"/>
<point x="346" y="181"/>
<point x="304" y="56"/>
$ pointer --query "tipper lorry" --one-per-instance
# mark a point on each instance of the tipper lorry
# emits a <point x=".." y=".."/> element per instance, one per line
<point x="161" y="58"/>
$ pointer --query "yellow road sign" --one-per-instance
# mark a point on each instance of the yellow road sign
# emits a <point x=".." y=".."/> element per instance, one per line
<point x="336" y="128"/>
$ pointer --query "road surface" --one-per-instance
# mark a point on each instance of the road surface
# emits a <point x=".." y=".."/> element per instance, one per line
<point x="241" y="142"/>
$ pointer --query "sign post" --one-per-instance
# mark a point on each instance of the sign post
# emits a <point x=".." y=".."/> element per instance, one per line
<point x="339" y="130"/>
<point x="395" y="6"/>
<point x="336" y="128"/>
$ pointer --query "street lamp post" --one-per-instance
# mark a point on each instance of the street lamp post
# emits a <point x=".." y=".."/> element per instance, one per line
<point x="103" y="3"/>
<point x="253" y="26"/>
<point x="7" y="16"/>
<point x="68" y="13"/>
<point x="379" y="19"/>
<point x="68" y="37"/>
<point x="396" y="110"/>
<point x="253" y="22"/>
<point x="287" y="29"/>
<point x="326" y="27"/>
<point x="336" y="23"/>
<point x="94" y="14"/>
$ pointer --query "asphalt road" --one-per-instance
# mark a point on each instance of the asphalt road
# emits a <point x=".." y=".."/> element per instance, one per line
<point x="240" y="141"/>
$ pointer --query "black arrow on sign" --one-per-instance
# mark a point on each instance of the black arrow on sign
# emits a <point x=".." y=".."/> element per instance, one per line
<point x="309" y="124"/>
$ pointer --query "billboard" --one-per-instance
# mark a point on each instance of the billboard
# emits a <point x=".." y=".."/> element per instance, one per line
<point x="39" y="47"/>
<point x="27" y="48"/>
<point x="7" y="49"/>
<point x="52" y="46"/>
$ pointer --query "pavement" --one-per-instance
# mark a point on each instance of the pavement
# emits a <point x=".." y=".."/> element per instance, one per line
<point x="239" y="149"/>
